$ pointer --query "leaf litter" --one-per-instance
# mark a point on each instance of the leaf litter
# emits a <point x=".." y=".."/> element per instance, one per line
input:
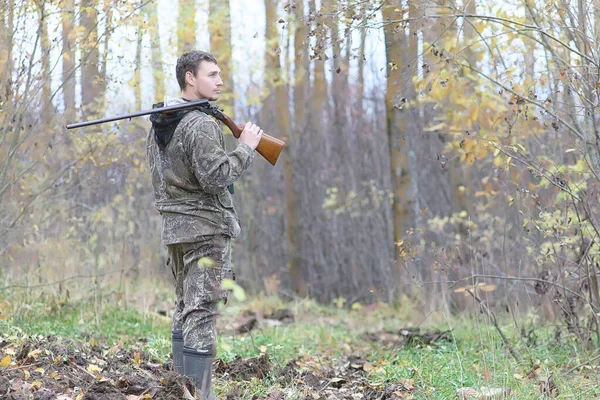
<point x="55" y="368"/>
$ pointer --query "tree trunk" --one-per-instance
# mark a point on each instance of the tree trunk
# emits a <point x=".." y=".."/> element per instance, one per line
<point x="156" y="55"/>
<point x="219" y="27"/>
<point x="462" y="176"/>
<point x="301" y="69"/>
<point x="186" y="26"/>
<point x="361" y="65"/>
<point x="137" y="79"/>
<point x="91" y="79"/>
<point x="397" y="118"/>
<point x="46" y="102"/>
<point x="68" y="58"/>
<point x="6" y="57"/>
<point x="274" y="74"/>
<point x="108" y="29"/>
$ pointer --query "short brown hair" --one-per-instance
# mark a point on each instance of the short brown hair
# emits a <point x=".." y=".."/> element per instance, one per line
<point x="190" y="61"/>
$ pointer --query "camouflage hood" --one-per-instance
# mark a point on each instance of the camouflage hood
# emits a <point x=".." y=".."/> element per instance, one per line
<point x="164" y="124"/>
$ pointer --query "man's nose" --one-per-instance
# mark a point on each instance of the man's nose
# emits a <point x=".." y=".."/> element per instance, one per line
<point x="220" y="82"/>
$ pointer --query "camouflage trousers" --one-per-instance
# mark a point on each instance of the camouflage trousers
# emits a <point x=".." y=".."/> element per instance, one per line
<point x="198" y="269"/>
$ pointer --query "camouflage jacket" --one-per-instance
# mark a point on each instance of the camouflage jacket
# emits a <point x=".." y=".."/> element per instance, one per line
<point x="190" y="176"/>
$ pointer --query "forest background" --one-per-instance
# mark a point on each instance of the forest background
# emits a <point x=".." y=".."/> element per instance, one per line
<point x="440" y="152"/>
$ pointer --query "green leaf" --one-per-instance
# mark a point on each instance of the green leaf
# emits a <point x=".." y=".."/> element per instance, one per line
<point x="237" y="290"/>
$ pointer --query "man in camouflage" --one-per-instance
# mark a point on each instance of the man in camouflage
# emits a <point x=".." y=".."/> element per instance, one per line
<point x="192" y="176"/>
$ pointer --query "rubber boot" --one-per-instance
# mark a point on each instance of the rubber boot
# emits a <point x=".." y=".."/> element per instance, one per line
<point x="198" y="367"/>
<point x="177" y="348"/>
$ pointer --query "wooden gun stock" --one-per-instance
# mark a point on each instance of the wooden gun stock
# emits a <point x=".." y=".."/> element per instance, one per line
<point x="269" y="147"/>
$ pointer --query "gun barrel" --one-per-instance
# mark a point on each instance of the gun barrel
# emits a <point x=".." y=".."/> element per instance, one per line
<point x="175" y="107"/>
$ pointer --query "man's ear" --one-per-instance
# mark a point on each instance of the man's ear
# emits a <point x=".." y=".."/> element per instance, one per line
<point x="189" y="78"/>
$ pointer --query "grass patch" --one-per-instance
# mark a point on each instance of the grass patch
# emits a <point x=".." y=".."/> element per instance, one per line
<point x="324" y="339"/>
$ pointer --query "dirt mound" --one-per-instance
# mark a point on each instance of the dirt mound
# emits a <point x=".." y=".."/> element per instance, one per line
<point x="240" y="369"/>
<point x="51" y="368"/>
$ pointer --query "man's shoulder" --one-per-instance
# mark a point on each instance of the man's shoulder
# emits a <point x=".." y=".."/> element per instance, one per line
<point x="196" y="120"/>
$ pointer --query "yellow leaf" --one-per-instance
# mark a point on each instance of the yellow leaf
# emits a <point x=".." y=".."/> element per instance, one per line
<point x="26" y="374"/>
<point x="79" y="396"/>
<point x="263" y="349"/>
<point x="34" y="353"/>
<point x="5" y="362"/>
<point x="40" y="371"/>
<point x="37" y="384"/>
<point x="136" y="358"/>
<point x="93" y="368"/>
<point x="367" y="367"/>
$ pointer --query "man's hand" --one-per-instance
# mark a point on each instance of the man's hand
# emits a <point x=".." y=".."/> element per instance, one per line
<point x="251" y="135"/>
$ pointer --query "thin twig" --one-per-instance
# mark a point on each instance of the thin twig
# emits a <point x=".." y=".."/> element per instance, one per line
<point x="591" y="360"/>
<point x="495" y="323"/>
<point x="69" y="278"/>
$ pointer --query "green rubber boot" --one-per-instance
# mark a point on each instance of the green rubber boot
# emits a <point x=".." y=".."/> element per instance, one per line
<point x="177" y="348"/>
<point x="198" y="367"/>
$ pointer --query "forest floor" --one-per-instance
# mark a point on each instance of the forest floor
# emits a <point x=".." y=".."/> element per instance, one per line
<point x="269" y="349"/>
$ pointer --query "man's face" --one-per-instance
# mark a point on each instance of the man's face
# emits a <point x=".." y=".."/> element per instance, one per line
<point x="207" y="82"/>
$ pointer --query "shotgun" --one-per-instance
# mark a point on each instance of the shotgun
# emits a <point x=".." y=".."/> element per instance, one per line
<point x="269" y="147"/>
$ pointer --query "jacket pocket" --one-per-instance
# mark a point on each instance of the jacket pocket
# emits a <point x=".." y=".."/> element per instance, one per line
<point x="225" y="199"/>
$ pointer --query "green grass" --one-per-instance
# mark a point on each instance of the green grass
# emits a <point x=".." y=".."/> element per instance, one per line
<point x="323" y="337"/>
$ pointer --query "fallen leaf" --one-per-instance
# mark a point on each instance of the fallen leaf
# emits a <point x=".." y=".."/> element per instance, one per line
<point x="5" y="362"/>
<point x="93" y="368"/>
<point x="136" y="358"/>
<point x="34" y="354"/>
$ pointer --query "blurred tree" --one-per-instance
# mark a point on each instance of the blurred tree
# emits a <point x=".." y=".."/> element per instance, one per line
<point x="92" y="94"/>
<point x="45" y="47"/>
<point x="156" y="54"/>
<point x="186" y="26"/>
<point x="219" y="27"/>
<point x="277" y="85"/>
<point x="68" y="57"/>
<point x="396" y="45"/>
<point x="137" y="78"/>
<point x="6" y="54"/>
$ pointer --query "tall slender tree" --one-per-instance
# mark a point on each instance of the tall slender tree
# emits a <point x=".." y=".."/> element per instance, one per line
<point x="156" y="55"/>
<point x="68" y="57"/>
<point x="279" y="86"/>
<point x="186" y="26"/>
<point x="6" y="58"/>
<point x="45" y="46"/>
<point x="396" y="44"/>
<point x="91" y="87"/>
<point x="219" y="27"/>
<point x="137" y="80"/>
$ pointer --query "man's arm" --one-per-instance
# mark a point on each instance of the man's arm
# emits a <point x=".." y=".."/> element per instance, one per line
<point x="214" y="168"/>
